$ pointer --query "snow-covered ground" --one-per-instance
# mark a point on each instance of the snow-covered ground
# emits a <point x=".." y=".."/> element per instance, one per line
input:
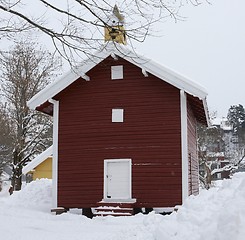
<point x="216" y="214"/>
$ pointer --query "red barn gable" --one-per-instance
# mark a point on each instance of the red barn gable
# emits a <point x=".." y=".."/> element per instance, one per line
<point x="124" y="131"/>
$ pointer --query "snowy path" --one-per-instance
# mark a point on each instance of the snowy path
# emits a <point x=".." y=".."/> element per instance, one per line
<point x="217" y="214"/>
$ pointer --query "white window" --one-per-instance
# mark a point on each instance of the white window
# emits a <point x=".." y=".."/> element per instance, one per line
<point x="117" y="72"/>
<point x="117" y="115"/>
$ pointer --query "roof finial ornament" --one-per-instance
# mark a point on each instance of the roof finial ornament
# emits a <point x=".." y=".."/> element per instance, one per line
<point x="117" y="13"/>
<point x="114" y="29"/>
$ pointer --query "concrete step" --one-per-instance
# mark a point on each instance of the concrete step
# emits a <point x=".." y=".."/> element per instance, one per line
<point x="114" y="209"/>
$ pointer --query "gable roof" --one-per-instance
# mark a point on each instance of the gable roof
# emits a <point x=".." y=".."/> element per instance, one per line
<point x="114" y="49"/>
<point x="38" y="160"/>
<point x="117" y="50"/>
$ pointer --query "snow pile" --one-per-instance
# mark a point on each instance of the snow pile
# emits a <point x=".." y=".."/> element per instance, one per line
<point x="35" y="195"/>
<point x="216" y="214"/>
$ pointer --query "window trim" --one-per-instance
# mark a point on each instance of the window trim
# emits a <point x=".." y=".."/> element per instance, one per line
<point x="117" y="115"/>
<point x="117" y="72"/>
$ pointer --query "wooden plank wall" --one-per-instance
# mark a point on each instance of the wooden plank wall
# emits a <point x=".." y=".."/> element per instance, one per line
<point x="192" y="152"/>
<point x="149" y="135"/>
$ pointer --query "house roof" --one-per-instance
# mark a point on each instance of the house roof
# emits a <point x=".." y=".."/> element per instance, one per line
<point x="38" y="160"/>
<point x="40" y="100"/>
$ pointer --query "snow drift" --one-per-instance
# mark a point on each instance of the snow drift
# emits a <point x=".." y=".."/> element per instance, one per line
<point x="216" y="214"/>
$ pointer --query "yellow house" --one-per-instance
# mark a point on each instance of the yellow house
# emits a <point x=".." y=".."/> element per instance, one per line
<point x="41" y="166"/>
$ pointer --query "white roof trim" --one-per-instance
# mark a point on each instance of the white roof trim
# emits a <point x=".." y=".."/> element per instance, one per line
<point x="38" y="160"/>
<point x="204" y="101"/>
<point x="113" y="49"/>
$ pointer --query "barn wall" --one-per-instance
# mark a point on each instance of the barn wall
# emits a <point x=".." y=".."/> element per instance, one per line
<point x="192" y="152"/>
<point x="149" y="135"/>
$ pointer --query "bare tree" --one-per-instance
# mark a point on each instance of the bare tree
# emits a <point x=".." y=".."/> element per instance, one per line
<point x="6" y="139"/>
<point x="76" y="26"/>
<point x="214" y="142"/>
<point x="25" y="71"/>
<point x="210" y="140"/>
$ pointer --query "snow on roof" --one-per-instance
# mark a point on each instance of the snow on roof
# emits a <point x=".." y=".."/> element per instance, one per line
<point x="113" y="49"/>
<point x="227" y="128"/>
<point x="223" y="123"/>
<point x="38" y="160"/>
<point x="216" y="121"/>
<point x="215" y="154"/>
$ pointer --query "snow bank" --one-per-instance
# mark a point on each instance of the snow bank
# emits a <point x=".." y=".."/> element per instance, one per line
<point x="35" y="195"/>
<point x="216" y="214"/>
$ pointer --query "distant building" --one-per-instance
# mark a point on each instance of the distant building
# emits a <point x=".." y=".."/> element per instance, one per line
<point x="229" y="137"/>
<point x="220" y="153"/>
<point x="39" y="167"/>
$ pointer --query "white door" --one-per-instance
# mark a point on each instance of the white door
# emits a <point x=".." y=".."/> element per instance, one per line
<point x="117" y="179"/>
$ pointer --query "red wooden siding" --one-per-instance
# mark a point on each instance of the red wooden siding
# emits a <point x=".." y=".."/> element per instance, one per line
<point x="149" y="135"/>
<point x="192" y="152"/>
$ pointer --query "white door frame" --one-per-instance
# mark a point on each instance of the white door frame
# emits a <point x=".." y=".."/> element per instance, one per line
<point x="106" y="161"/>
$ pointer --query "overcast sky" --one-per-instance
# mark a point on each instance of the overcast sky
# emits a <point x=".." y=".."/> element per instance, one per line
<point x="208" y="48"/>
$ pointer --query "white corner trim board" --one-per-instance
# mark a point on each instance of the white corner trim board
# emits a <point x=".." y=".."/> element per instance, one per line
<point x="55" y="153"/>
<point x="184" y="144"/>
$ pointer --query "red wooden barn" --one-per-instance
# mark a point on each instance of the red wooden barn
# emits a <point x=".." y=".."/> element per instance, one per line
<point x="124" y="132"/>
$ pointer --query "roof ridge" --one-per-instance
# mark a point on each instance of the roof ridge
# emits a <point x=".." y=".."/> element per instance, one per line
<point x="115" y="49"/>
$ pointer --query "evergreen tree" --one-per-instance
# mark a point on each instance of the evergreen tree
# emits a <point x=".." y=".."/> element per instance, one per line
<point x="236" y="117"/>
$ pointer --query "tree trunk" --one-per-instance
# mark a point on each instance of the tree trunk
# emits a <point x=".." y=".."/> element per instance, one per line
<point x="1" y="172"/>
<point x="208" y="176"/>
<point x="16" y="180"/>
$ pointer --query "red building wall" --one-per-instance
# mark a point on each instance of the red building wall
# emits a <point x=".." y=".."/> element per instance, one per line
<point x="149" y="135"/>
<point x="193" y="164"/>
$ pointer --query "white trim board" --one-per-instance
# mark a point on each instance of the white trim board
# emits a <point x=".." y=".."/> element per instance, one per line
<point x="184" y="145"/>
<point x="55" y="153"/>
